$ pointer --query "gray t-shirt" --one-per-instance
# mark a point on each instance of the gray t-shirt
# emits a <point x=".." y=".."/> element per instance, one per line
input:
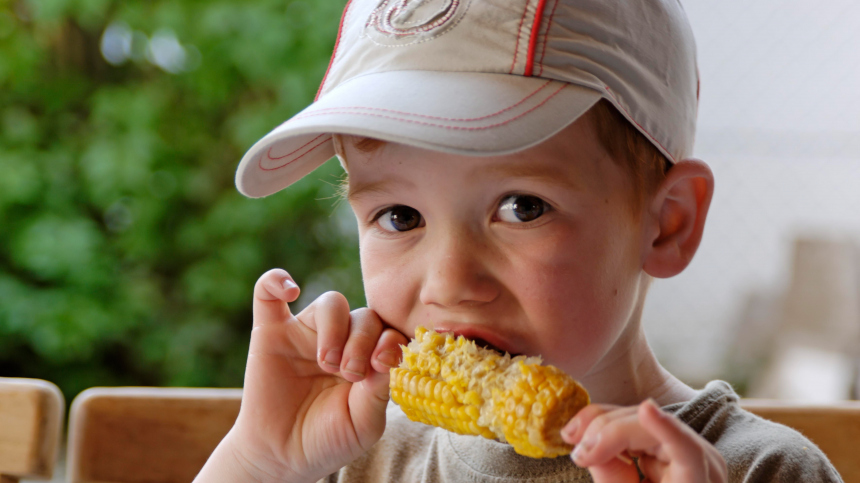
<point x="755" y="450"/>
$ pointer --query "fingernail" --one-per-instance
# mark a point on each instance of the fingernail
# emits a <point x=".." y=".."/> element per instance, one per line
<point x="624" y="459"/>
<point x="356" y="367"/>
<point x="288" y="284"/>
<point x="569" y="430"/>
<point x="387" y="359"/>
<point x="584" y="447"/>
<point x="332" y="358"/>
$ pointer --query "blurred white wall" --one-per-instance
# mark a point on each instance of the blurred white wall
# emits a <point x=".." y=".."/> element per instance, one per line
<point x="779" y="123"/>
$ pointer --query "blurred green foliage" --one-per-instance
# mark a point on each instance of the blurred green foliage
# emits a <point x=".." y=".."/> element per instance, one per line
<point x="126" y="254"/>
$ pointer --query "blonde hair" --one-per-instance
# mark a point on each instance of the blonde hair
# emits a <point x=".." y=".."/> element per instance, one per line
<point x="629" y="148"/>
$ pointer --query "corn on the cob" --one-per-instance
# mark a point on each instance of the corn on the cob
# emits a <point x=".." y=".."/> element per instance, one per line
<point x="454" y="384"/>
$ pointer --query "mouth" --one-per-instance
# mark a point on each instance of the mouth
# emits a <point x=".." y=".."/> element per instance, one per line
<point x="486" y="345"/>
<point x="482" y="337"/>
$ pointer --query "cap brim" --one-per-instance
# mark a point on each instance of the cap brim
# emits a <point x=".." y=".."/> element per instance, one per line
<point x="457" y="112"/>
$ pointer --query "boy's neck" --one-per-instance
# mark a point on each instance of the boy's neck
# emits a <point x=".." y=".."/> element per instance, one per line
<point x="635" y="375"/>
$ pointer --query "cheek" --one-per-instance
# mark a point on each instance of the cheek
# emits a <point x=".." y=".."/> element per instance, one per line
<point x="579" y="304"/>
<point x="387" y="285"/>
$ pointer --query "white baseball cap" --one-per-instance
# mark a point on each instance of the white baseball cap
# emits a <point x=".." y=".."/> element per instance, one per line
<point x="488" y="77"/>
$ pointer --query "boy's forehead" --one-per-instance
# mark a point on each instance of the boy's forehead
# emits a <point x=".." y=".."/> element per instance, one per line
<point x="568" y="160"/>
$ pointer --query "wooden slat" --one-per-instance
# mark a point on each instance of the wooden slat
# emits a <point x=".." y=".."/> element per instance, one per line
<point x="835" y="428"/>
<point x="136" y="435"/>
<point x="31" y="416"/>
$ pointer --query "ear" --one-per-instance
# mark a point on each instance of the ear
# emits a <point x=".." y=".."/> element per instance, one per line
<point x="676" y="218"/>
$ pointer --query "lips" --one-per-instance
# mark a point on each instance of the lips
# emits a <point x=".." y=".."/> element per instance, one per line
<point x="482" y="336"/>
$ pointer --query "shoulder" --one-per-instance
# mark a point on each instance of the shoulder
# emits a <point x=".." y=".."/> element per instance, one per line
<point x="755" y="449"/>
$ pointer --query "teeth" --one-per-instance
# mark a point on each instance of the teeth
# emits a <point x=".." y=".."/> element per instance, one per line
<point x="487" y="345"/>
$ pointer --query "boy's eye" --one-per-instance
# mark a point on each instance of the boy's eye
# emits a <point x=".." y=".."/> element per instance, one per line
<point x="399" y="218"/>
<point x="521" y="208"/>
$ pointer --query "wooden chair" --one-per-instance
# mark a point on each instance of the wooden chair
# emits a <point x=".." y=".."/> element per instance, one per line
<point x="834" y="427"/>
<point x="31" y="422"/>
<point x="136" y="435"/>
<point x="145" y="434"/>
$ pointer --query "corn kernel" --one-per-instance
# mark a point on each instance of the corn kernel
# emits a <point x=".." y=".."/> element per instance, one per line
<point x="450" y="382"/>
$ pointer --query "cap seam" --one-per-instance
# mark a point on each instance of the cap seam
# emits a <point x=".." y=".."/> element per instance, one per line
<point x="269" y="150"/>
<point x="336" y="47"/>
<point x="260" y="160"/>
<point x="519" y="34"/>
<point x="530" y="57"/>
<point x="546" y="36"/>
<point x="461" y="128"/>
<point x="427" y="116"/>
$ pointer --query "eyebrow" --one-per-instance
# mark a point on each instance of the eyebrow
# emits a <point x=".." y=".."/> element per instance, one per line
<point x="364" y="189"/>
<point x="537" y="172"/>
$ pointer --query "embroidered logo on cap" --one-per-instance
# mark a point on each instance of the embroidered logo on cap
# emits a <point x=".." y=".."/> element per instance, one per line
<point x="405" y="22"/>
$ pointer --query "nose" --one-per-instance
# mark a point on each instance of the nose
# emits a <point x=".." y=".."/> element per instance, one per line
<point x="458" y="272"/>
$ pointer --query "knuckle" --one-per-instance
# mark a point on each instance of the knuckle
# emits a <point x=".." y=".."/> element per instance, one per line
<point x="274" y="273"/>
<point x="363" y="313"/>
<point x="601" y="420"/>
<point x="590" y="412"/>
<point x="394" y="336"/>
<point x="333" y="300"/>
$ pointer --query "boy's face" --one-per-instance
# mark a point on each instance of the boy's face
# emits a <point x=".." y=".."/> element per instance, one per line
<point x="535" y="253"/>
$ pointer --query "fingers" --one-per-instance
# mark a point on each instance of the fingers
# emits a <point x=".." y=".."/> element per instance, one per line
<point x="369" y="398"/>
<point x="351" y="343"/>
<point x="272" y="292"/>
<point x="615" y="471"/>
<point x="696" y="459"/>
<point x="613" y="434"/>
<point x="364" y="331"/>
<point x="328" y="316"/>
<point x="590" y="415"/>
<point x="371" y="351"/>
<point x="387" y="353"/>
<point x="604" y="435"/>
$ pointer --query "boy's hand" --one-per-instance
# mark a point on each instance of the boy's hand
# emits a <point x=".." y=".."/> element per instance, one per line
<point x="668" y="450"/>
<point x="316" y="384"/>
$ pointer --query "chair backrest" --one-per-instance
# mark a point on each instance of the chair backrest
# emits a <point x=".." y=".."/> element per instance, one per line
<point x="146" y="434"/>
<point x="833" y="427"/>
<point x="136" y="435"/>
<point x="31" y="422"/>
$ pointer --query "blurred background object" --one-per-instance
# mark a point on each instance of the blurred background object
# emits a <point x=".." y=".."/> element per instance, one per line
<point x="128" y="258"/>
<point x="778" y="125"/>
<point x="126" y="255"/>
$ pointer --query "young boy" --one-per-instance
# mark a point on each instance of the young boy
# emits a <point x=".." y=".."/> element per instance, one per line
<point x="520" y="171"/>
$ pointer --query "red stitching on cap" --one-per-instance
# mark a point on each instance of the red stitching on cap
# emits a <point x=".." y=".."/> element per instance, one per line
<point x="546" y="36"/>
<point x="458" y="128"/>
<point x="530" y="58"/>
<point x="334" y="52"/>
<point x="427" y="116"/>
<point x="269" y="151"/>
<point x="260" y="160"/>
<point x="519" y="32"/>
<point x="630" y="117"/>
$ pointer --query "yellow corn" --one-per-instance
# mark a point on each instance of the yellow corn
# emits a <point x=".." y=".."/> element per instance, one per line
<point x="454" y="384"/>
